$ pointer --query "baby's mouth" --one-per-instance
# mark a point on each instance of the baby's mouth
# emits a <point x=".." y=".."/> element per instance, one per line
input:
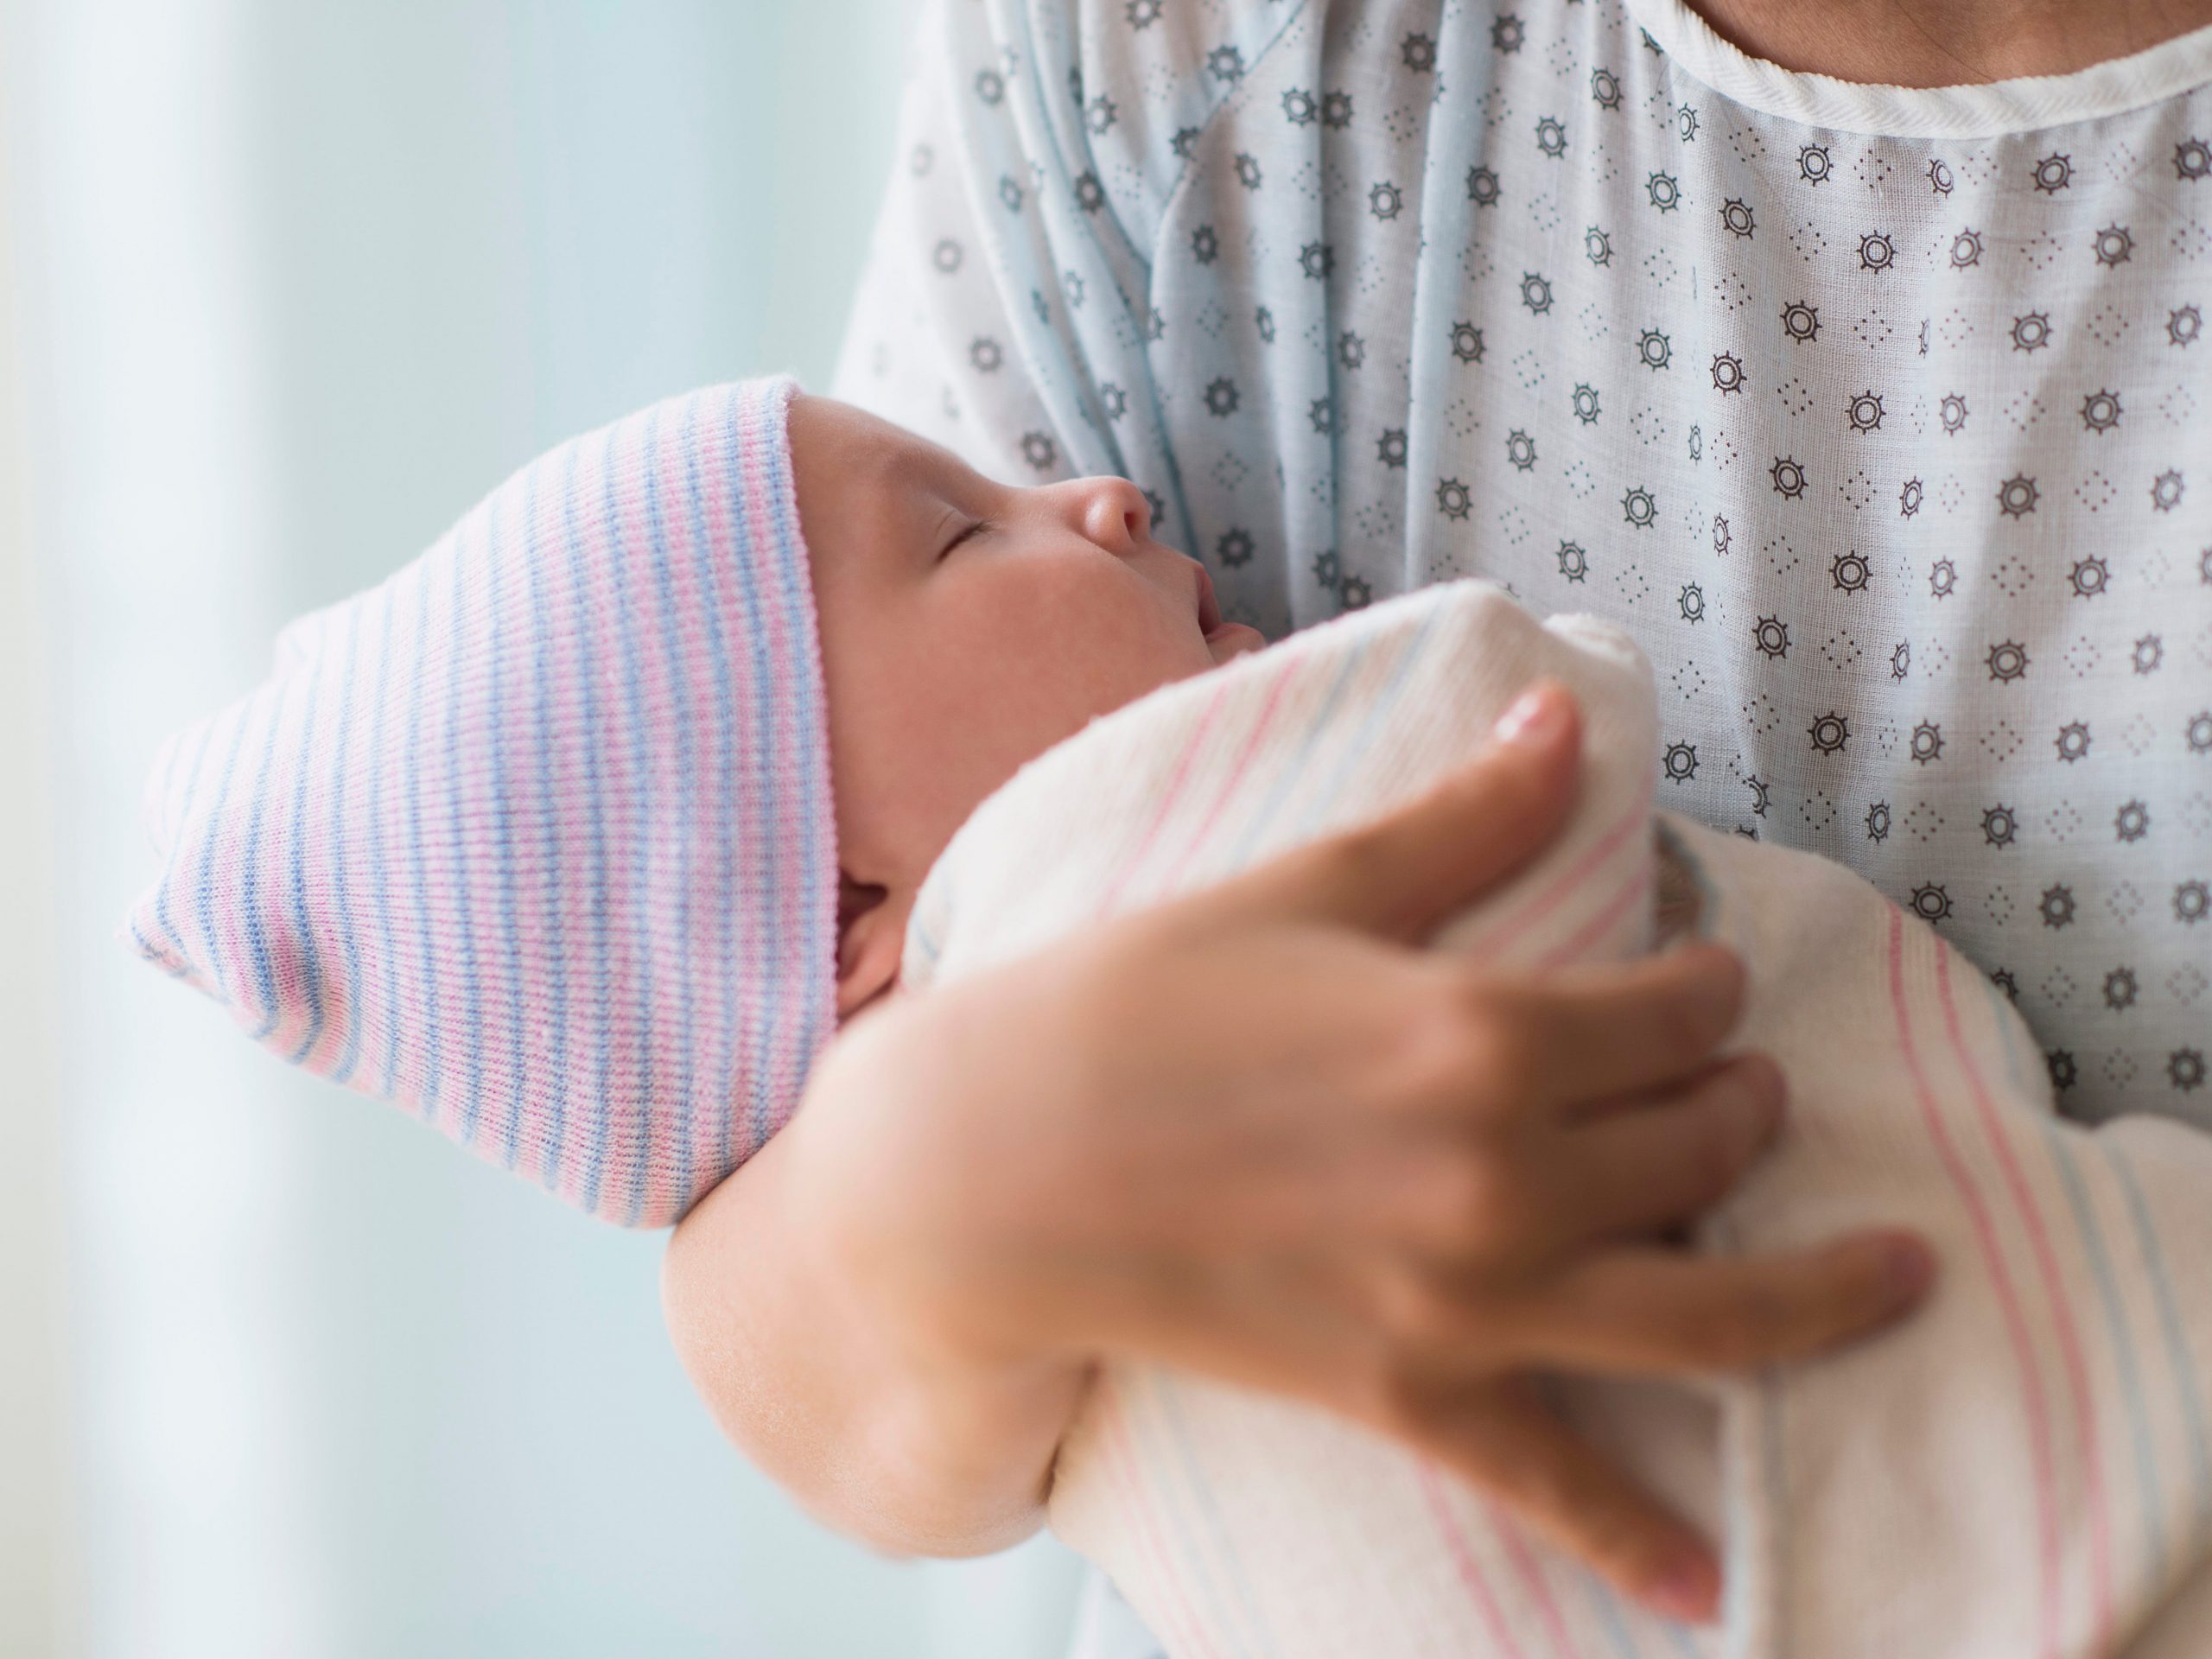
<point x="1209" y="606"/>
<point x="1226" y="639"/>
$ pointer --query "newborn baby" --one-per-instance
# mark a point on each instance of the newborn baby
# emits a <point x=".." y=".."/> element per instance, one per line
<point x="578" y="835"/>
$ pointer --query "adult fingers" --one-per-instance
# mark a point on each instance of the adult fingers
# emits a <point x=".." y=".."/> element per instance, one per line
<point x="1405" y="873"/>
<point x="1658" y="1311"/>
<point x="1502" y="1436"/>
<point x="1583" y="1033"/>
<point x="1635" y="1170"/>
<point x="1541" y="1193"/>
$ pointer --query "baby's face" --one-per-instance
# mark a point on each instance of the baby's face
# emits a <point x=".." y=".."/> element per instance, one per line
<point x="967" y="627"/>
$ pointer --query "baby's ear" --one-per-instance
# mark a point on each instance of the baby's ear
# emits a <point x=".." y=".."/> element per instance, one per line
<point x="871" y="939"/>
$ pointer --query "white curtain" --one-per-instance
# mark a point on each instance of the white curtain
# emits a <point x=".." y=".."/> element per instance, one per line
<point x="299" y="280"/>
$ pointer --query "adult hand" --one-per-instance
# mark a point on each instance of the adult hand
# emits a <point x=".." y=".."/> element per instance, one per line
<point x="1259" y="1134"/>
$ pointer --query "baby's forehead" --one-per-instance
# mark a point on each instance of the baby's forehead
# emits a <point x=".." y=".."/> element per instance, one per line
<point x="863" y="448"/>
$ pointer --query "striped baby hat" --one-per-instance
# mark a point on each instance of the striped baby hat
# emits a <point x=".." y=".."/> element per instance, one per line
<point x="536" y="838"/>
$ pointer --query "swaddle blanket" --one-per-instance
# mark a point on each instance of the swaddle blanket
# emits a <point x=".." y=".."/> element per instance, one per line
<point x="2023" y="1468"/>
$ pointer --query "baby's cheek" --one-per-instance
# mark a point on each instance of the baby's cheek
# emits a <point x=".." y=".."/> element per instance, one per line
<point x="1037" y="650"/>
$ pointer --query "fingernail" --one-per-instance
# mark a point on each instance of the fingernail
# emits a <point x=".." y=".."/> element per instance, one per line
<point x="1908" y="1265"/>
<point x="1689" y="1590"/>
<point x="1536" y="717"/>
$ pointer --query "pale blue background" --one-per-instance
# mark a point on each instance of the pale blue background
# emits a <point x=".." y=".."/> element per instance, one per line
<point x="296" y="281"/>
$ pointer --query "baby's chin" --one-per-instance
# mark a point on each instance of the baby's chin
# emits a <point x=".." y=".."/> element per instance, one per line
<point x="1230" y="640"/>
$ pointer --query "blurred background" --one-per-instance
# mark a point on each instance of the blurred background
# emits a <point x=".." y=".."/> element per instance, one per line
<point x="285" y="285"/>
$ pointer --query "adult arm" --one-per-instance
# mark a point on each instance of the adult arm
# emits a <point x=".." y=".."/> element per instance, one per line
<point x="911" y="1450"/>
<point x="1335" y="1166"/>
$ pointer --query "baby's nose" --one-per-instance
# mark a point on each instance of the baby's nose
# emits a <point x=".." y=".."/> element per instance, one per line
<point x="1114" y="514"/>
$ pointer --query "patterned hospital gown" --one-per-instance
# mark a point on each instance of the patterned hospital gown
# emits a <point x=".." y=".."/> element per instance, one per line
<point x="1882" y="418"/>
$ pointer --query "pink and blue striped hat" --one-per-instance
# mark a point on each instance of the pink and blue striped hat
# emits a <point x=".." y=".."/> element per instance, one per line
<point x="536" y="836"/>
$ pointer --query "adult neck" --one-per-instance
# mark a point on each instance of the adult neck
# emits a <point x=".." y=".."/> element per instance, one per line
<point x="1946" y="42"/>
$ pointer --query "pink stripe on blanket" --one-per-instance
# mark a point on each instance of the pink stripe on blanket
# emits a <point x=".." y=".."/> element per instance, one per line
<point x="2062" y="1310"/>
<point x="1168" y="800"/>
<point x="1607" y="918"/>
<point x="1243" y="764"/>
<point x="1495" y="938"/>
<point x="2008" y="1300"/>
<point x="1530" y="1571"/>
<point x="1122" y="1457"/>
<point x="1462" y="1559"/>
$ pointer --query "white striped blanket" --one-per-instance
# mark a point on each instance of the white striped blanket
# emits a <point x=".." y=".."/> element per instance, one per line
<point x="2023" y="1470"/>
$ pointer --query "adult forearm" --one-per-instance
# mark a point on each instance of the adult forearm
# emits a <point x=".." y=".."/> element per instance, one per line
<point x="931" y="1456"/>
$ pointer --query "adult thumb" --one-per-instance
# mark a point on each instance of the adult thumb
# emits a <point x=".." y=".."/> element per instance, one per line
<point x="1405" y="873"/>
